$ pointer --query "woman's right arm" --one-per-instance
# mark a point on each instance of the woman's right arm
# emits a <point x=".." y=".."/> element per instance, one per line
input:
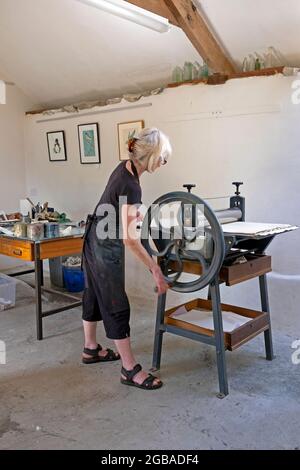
<point x="132" y="241"/>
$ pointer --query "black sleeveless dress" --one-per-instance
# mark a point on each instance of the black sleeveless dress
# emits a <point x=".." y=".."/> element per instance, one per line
<point x="104" y="296"/>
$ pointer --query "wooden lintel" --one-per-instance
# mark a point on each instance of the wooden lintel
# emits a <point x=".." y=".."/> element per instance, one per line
<point x="195" y="27"/>
<point x="156" y="6"/>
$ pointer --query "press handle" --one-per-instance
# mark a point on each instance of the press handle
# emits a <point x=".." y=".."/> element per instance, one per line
<point x="237" y="184"/>
<point x="189" y="187"/>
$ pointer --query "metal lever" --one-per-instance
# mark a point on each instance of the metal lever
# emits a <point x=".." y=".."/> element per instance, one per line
<point x="189" y="187"/>
<point x="237" y="184"/>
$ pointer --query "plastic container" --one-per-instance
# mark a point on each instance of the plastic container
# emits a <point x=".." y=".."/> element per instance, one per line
<point x="7" y="292"/>
<point x="73" y="278"/>
<point x="56" y="270"/>
<point x="51" y="230"/>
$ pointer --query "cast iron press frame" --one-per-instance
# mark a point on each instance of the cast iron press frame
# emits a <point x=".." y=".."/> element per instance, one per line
<point x="217" y="340"/>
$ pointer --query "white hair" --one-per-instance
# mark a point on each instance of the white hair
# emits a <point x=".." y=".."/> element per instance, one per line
<point x="150" y="146"/>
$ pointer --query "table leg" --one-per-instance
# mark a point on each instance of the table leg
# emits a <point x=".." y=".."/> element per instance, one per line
<point x="266" y="308"/>
<point x="38" y="292"/>
<point x="42" y="271"/>
<point x="158" y="338"/>
<point x="219" y="338"/>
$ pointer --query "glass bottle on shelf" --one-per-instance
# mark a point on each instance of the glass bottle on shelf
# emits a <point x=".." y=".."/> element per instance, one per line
<point x="204" y="70"/>
<point x="187" y="71"/>
<point x="269" y="58"/>
<point x="196" y="70"/>
<point x="279" y="59"/>
<point x="251" y="62"/>
<point x="245" y="66"/>
<point x="261" y="61"/>
<point x="177" y="75"/>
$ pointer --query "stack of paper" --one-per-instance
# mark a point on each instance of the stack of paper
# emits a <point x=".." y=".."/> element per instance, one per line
<point x="256" y="229"/>
<point x="204" y="318"/>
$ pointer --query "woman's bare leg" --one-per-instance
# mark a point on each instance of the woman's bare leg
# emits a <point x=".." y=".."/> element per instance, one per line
<point x="124" y="348"/>
<point x="90" y="333"/>
<point x="90" y="338"/>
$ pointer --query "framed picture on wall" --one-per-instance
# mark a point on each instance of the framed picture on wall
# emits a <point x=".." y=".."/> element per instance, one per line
<point x="126" y="131"/>
<point x="57" y="146"/>
<point x="89" y="143"/>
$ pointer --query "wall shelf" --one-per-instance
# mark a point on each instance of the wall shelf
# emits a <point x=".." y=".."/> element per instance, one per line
<point x="219" y="79"/>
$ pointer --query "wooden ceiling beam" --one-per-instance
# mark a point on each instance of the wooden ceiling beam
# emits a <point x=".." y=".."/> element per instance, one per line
<point x="184" y="13"/>
<point x="195" y="27"/>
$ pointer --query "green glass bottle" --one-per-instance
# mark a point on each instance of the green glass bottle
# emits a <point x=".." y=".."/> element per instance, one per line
<point x="257" y="64"/>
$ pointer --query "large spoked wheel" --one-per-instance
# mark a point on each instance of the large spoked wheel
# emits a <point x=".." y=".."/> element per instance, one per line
<point x="170" y="237"/>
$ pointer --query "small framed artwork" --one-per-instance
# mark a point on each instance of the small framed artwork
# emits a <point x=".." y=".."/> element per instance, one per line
<point x="57" y="146"/>
<point x="89" y="143"/>
<point x="126" y="131"/>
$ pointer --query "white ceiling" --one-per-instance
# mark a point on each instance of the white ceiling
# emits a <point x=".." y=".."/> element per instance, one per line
<point x="61" y="51"/>
<point x="246" y="26"/>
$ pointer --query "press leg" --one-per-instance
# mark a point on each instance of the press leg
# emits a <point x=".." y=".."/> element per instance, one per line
<point x="158" y="338"/>
<point x="266" y="308"/>
<point x="208" y="293"/>
<point x="38" y="292"/>
<point x="219" y="338"/>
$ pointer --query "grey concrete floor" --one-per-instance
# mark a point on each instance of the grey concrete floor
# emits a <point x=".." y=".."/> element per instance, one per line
<point x="49" y="400"/>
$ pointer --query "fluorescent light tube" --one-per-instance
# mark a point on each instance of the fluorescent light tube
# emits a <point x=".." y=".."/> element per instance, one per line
<point x="132" y="13"/>
<point x="2" y="92"/>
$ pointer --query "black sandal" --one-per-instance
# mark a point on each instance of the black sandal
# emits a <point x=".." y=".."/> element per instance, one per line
<point x="94" y="353"/>
<point x="148" y="383"/>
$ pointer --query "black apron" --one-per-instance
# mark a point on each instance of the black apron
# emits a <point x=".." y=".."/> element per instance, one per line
<point x="103" y="263"/>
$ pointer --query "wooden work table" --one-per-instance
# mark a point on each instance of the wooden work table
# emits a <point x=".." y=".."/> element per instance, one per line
<point x="37" y="251"/>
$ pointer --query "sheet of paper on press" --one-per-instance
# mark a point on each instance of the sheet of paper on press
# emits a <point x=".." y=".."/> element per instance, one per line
<point x="204" y="318"/>
<point x="256" y="228"/>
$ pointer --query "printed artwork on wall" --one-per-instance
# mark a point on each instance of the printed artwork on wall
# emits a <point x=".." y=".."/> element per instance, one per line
<point x="126" y="131"/>
<point x="56" y="146"/>
<point x="89" y="143"/>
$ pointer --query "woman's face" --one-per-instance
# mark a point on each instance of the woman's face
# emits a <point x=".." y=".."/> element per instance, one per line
<point x="157" y="165"/>
<point x="160" y="162"/>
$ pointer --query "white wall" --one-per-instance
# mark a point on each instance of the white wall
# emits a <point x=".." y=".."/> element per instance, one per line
<point x="255" y="138"/>
<point x="12" y="155"/>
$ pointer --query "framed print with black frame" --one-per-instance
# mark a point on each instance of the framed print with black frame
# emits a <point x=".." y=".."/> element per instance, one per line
<point x="57" y="146"/>
<point x="89" y="143"/>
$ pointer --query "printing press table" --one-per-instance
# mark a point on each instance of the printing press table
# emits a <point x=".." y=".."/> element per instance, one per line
<point x="37" y="251"/>
<point x="259" y="321"/>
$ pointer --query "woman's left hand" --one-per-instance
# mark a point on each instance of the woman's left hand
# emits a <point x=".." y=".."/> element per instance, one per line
<point x="139" y="216"/>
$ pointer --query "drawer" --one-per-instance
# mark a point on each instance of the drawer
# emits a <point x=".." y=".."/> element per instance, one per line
<point x="17" y="249"/>
<point x="257" y="323"/>
<point x="256" y="265"/>
<point x="66" y="247"/>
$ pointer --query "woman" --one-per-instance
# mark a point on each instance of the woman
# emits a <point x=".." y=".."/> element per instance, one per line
<point x="103" y="254"/>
